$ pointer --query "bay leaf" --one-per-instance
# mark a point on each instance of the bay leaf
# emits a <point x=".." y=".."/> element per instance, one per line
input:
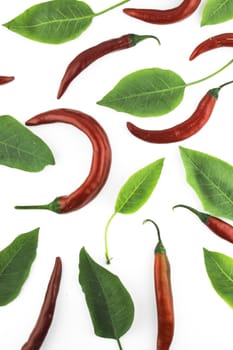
<point x="146" y="93"/>
<point x="110" y="305"/>
<point x="15" y="264"/>
<point x="211" y="179"/>
<point x="20" y="148"/>
<point x="219" y="268"/>
<point x="53" y="22"/>
<point x="216" y="11"/>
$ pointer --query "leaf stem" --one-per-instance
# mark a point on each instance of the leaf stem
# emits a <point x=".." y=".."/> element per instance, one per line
<point x="111" y="7"/>
<point x="211" y="75"/>
<point x="119" y="344"/>
<point x="107" y="257"/>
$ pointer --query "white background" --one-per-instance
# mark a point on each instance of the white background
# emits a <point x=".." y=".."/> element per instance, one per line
<point x="203" y="320"/>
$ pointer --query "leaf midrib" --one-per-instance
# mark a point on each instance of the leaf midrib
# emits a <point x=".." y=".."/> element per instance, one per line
<point x="13" y="257"/>
<point x="146" y="93"/>
<point x="133" y="192"/>
<point x="211" y="181"/>
<point x="218" y="9"/>
<point x="222" y="270"/>
<point x="73" y="19"/>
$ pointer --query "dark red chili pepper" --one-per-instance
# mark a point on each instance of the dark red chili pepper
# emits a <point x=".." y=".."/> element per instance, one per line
<point x="184" y="10"/>
<point x="216" y="225"/>
<point x="214" y="42"/>
<point x="163" y="293"/>
<point x="45" y="318"/>
<point x="84" y="59"/>
<point x="5" y="79"/>
<point x="101" y="159"/>
<point x="185" y="129"/>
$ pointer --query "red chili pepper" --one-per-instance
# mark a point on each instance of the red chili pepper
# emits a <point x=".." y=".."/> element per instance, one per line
<point x="185" y="129"/>
<point x="184" y="10"/>
<point x="5" y="79"/>
<point x="101" y="159"/>
<point x="163" y="293"/>
<point x="45" y="318"/>
<point x="216" y="225"/>
<point x="211" y="43"/>
<point x="84" y="59"/>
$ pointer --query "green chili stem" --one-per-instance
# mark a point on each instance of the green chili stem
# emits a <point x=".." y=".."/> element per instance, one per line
<point x="111" y="7"/>
<point x="106" y="238"/>
<point x="211" y="75"/>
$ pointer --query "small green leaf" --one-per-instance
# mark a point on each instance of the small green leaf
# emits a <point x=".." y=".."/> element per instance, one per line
<point x="219" y="268"/>
<point x="20" y="148"/>
<point x="146" y="93"/>
<point x="211" y="179"/>
<point x="138" y="188"/>
<point x="135" y="193"/>
<point x="15" y="264"/>
<point x="110" y="305"/>
<point x="53" y="22"/>
<point x="217" y="11"/>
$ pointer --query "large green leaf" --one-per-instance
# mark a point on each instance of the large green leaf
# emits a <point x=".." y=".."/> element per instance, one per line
<point x="138" y="188"/>
<point x="146" y="93"/>
<point x="217" y="11"/>
<point x="15" y="264"/>
<point x="20" y="148"/>
<point x="219" y="268"/>
<point x="211" y="178"/>
<point x="110" y="305"/>
<point x="53" y="22"/>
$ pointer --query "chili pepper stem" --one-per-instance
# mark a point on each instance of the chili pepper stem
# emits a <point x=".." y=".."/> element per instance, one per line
<point x="107" y="257"/>
<point x="159" y="247"/>
<point x="202" y="216"/>
<point x="211" y="75"/>
<point x="111" y="8"/>
<point x="53" y="206"/>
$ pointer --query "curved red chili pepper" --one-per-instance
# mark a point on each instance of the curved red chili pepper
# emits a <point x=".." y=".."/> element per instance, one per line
<point x="101" y="160"/>
<point x="185" y="129"/>
<point x="85" y="58"/>
<point x="45" y="318"/>
<point x="5" y="79"/>
<point x="163" y="293"/>
<point x="216" y="225"/>
<point x="214" y="42"/>
<point x="184" y="10"/>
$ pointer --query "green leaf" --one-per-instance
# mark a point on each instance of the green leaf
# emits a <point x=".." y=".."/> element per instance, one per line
<point x="15" y="264"/>
<point x="110" y="305"/>
<point x="53" y="22"/>
<point x="135" y="193"/>
<point x="20" y="148"/>
<point x="219" y="268"/>
<point x="217" y="11"/>
<point x="146" y="93"/>
<point x="138" y="188"/>
<point x="211" y="179"/>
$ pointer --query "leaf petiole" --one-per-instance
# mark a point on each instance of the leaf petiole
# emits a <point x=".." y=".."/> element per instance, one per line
<point x="111" y="8"/>
<point x="107" y="257"/>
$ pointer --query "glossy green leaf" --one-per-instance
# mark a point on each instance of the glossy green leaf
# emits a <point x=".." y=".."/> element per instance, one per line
<point x="146" y="93"/>
<point x="53" y="22"/>
<point x="217" y="11"/>
<point x="138" y="188"/>
<point x="219" y="268"/>
<point x="211" y="179"/>
<point x="110" y="305"/>
<point x="15" y="263"/>
<point x="20" y="148"/>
